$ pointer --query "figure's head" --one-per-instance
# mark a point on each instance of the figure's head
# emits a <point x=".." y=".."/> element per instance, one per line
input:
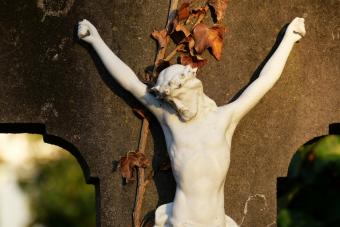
<point x="179" y="86"/>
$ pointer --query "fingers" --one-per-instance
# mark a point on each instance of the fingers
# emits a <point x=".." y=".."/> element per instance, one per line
<point x="299" y="19"/>
<point x="85" y="29"/>
<point x="84" y="22"/>
<point x="302" y="27"/>
<point x="299" y="33"/>
<point x="298" y="26"/>
<point x="87" y="23"/>
<point x="87" y="32"/>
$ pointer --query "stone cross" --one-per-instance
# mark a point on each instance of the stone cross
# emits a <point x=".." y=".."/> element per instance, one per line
<point x="50" y="85"/>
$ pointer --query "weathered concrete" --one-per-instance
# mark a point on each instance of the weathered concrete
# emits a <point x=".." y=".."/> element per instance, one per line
<point x="47" y="77"/>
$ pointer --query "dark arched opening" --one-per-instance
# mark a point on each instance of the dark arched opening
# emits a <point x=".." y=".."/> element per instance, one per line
<point x="309" y="195"/>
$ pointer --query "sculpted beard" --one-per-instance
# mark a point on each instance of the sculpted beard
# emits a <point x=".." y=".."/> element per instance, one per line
<point x="186" y="114"/>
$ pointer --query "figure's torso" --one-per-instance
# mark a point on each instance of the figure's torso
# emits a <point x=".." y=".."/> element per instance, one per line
<point x="199" y="151"/>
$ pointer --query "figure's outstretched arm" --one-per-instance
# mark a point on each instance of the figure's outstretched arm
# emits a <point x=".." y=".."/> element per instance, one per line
<point x="122" y="73"/>
<point x="270" y="73"/>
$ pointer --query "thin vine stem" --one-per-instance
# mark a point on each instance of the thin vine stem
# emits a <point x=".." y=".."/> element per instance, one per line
<point x="141" y="181"/>
<point x="172" y="13"/>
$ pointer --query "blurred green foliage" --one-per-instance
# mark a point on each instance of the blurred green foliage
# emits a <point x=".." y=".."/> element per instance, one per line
<point x="310" y="195"/>
<point x="59" y="196"/>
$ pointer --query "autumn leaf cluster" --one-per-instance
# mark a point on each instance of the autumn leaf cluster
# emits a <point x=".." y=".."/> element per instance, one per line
<point x="192" y="34"/>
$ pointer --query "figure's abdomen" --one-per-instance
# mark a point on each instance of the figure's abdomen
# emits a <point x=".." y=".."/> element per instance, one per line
<point x="201" y="168"/>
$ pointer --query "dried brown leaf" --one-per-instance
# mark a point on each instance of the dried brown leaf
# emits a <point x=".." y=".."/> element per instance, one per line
<point x="183" y="29"/>
<point x="220" y="7"/>
<point x="197" y="14"/>
<point x="128" y="163"/>
<point x="181" y="48"/>
<point x="179" y="32"/>
<point x="183" y="11"/>
<point x="193" y="61"/>
<point x="189" y="44"/>
<point x="161" y="37"/>
<point x="194" y="4"/>
<point x="206" y="37"/>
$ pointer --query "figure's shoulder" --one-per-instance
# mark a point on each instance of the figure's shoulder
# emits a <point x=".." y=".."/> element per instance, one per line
<point x="225" y="114"/>
<point x="225" y="109"/>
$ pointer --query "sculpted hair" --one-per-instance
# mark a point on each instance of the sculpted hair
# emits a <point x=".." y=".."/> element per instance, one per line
<point x="172" y="78"/>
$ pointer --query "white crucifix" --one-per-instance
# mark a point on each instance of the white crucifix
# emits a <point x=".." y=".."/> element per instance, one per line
<point x="196" y="130"/>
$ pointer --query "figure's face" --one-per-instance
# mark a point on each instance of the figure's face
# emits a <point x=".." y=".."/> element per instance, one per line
<point x="179" y="86"/>
<point x="185" y="98"/>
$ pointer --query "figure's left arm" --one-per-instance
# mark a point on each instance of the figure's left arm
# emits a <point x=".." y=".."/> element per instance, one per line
<point x="270" y="73"/>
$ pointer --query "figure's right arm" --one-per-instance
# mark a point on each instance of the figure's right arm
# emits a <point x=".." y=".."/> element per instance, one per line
<point x="122" y="73"/>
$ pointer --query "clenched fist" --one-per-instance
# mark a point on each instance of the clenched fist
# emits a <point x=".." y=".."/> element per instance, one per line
<point x="87" y="32"/>
<point x="296" y="29"/>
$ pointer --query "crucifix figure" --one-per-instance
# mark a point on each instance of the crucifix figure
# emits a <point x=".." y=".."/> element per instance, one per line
<point x="196" y="130"/>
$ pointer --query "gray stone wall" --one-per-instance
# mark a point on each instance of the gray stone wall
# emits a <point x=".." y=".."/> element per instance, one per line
<point x="47" y="77"/>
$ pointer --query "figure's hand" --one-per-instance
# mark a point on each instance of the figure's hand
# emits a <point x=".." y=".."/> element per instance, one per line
<point x="296" y="29"/>
<point x="87" y="32"/>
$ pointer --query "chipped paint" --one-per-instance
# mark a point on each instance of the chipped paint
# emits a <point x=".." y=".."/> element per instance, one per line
<point x="336" y="33"/>
<point x="271" y="224"/>
<point x="48" y="109"/>
<point x="251" y="198"/>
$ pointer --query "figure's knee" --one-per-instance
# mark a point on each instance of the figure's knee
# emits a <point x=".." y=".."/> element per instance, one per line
<point x="163" y="214"/>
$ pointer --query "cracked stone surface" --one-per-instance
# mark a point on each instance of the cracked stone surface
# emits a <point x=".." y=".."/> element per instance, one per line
<point x="47" y="77"/>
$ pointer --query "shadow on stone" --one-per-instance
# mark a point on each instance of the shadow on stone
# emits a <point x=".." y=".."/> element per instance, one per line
<point x="258" y="70"/>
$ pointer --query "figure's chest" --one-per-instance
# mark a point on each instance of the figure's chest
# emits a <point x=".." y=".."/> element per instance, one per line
<point x="191" y="145"/>
<point x="205" y="133"/>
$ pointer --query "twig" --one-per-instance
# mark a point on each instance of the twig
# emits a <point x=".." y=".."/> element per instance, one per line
<point x="172" y="13"/>
<point x="202" y="16"/>
<point x="162" y="50"/>
<point x="141" y="182"/>
<point x="173" y="53"/>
